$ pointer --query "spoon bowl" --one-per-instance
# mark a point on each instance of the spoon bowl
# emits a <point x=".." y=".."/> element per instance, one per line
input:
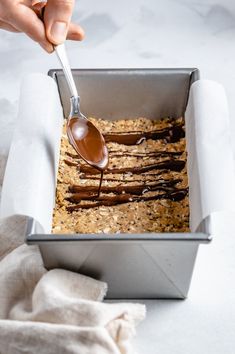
<point x="88" y="142"/>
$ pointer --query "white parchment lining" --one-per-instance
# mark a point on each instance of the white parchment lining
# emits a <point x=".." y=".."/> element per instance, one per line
<point x="30" y="177"/>
<point x="210" y="158"/>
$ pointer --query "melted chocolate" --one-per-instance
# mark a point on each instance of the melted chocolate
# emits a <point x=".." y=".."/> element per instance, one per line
<point x="100" y="184"/>
<point x="134" y="189"/>
<point x="146" y="154"/>
<point x="89" y="144"/>
<point x="115" y="153"/>
<point x="128" y="193"/>
<point x="171" y="134"/>
<point x="172" y="165"/>
<point x="74" y="156"/>
<point x="70" y="163"/>
<point x="124" y="179"/>
<point x="176" y="195"/>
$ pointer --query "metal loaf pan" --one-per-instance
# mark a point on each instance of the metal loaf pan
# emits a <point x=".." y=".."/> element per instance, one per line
<point x="134" y="265"/>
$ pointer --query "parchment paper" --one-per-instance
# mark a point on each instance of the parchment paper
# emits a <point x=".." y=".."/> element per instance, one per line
<point x="210" y="159"/>
<point x="30" y="177"/>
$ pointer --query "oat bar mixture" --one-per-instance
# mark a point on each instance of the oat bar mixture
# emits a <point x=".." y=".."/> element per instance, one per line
<point x="145" y="188"/>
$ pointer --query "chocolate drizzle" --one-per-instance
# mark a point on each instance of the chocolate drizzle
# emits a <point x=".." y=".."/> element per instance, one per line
<point x="150" y="154"/>
<point x="146" y="154"/>
<point x="146" y="177"/>
<point x="145" y="189"/>
<point x="171" y="134"/>
<point x="120" y="189"/>
<point x="176" y="195"/>
<point x="172" y="165"/>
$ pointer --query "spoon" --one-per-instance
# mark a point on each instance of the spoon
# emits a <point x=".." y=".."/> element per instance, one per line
<point x="85" y="138"/>
<point x="83" y="135"/>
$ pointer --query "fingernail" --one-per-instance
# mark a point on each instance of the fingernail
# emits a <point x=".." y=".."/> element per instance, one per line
<point x="47" y="46"/>
<point x="38" y="4"/>
<point x="58" y="32"/>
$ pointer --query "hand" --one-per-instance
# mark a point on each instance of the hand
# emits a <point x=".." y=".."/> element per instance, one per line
<point x="19" y="16"/>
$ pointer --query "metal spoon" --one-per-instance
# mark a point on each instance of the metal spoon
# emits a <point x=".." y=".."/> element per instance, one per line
<point x="86" y="139"/>
<point x="83" y="135"/>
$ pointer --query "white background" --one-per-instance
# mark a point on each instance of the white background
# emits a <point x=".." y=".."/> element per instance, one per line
<point x="151" y="33"/>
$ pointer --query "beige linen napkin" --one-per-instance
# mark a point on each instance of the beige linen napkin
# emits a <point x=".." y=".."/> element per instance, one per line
<point x="56" y="311"/>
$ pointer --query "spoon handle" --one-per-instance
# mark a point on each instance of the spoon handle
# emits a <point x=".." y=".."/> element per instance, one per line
<point x="62" y="56"/>
<point x="39" y="6"/>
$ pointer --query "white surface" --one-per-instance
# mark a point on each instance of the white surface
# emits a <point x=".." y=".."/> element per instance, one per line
<point x="140" y="33"/>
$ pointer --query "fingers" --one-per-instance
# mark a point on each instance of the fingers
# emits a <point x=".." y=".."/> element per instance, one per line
<point x="57" y="18"/>
<point x="7" y="27"/>
<point x="20" y="17"/>
<point x="25" y="20"/>
<point x="75" y="32"/>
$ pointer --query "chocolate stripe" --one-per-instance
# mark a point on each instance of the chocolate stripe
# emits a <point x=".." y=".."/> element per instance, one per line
<point x="171" y="134"/>
<point x="172" y="165"/>
<point x="176" y="195"/>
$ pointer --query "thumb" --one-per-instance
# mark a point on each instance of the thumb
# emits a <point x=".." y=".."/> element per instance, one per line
<point x="57" y="18"/>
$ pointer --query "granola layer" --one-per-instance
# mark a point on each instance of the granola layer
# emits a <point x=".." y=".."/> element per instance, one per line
<point x="166" y="214"/>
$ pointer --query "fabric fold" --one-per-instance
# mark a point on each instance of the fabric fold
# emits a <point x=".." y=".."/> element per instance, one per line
<point x="56" y="311"/>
